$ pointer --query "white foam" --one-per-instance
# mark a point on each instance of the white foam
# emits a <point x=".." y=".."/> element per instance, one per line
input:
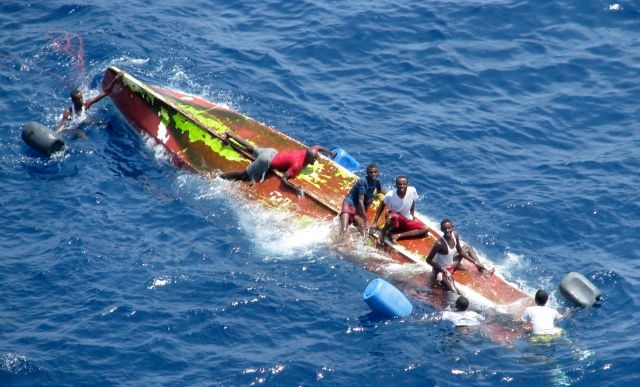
<point x="158" y="282"/>
<point x="273" y="232"/>
<point x="276" y="232"/>
<point x="125" y="60"/>
<point x="12" y="363"/>
<point x="110" y="310"/>
<point x="160" y="153"/>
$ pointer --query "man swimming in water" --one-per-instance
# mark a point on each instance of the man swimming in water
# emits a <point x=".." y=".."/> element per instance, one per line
<point x="462" y="317"/>
<point x="541" y="318"/>
<point x="79" y="105"/>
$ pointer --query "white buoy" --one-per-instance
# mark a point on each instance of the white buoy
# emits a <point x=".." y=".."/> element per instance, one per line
<point x="579" y="289"/>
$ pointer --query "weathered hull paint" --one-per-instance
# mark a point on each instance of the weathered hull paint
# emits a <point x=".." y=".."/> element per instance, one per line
<point x="190" y="128"/>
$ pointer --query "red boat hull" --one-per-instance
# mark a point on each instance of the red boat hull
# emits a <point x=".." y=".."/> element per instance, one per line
<point x="192" y="130"/>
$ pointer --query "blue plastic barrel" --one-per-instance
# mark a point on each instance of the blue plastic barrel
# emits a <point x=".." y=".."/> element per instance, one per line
<point x="385" y="298"/>
<point x="346" y="160"/>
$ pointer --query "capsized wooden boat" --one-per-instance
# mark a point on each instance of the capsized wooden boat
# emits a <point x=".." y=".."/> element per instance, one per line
<point x="192" y="130"/>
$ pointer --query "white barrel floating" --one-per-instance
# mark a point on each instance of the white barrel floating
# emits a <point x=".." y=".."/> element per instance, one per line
<point x="42" y="138"/>
<point x="579" y="289"/>
<point x="384" y="298"/>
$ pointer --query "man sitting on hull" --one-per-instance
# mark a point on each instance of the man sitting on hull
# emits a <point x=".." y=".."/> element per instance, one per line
<point x="355" y="204"/>
<point x="288" y="162"/>
<point x="401" y="221"/>
<point x="446" y="255"/>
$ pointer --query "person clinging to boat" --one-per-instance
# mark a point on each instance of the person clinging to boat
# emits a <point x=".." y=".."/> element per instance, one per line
<point x="401" y="221"/>
<point x="446" y="255"/>
<point x="80" y="106"/>
<point x="355" y="204"/>
<point x="540" y="319"/>
<point x="290" y="163"/>
<point x="461" y="316"/>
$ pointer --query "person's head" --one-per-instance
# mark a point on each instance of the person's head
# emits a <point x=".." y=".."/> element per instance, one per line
<point x="76" y="98"/>
<point x="402" y="183"/>
<point x="541" y="297"/>
<point x="311" y="156"/>
<point x="373" y="171"/>
<point x="462" y="303"/>
<point x="446" y="226"/>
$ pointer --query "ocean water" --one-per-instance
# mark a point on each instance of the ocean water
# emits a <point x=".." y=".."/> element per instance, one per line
<point x="517" y="119"/>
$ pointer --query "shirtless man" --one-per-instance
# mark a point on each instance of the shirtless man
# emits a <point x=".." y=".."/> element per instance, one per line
<point x="288" y="162"/>
<point x="401" y="221"/>
<point x="79" y="105"/>
<point x="448" y="253"/>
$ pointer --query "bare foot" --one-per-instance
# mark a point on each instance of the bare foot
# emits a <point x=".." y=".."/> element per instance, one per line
<point x="484" y="270"/>
<point x="380" y="240"/>
<point x="393" y="239"/>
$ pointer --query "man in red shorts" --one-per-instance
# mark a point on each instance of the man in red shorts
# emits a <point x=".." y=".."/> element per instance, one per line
<point x="401" y="221"/>
<point x="288" y="162"/>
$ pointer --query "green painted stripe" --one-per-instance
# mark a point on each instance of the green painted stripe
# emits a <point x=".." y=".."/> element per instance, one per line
<point x="134" y="87"/>
<point x="197" y="133"/>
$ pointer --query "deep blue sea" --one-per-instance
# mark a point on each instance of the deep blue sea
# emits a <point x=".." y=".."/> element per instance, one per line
<point x="519" y="120"/>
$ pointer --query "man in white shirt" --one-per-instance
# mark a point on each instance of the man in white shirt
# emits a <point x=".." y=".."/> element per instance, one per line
<point x="401" y="221"/>
<point x="462" y="317"/>
<point x="540" y="318"/>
